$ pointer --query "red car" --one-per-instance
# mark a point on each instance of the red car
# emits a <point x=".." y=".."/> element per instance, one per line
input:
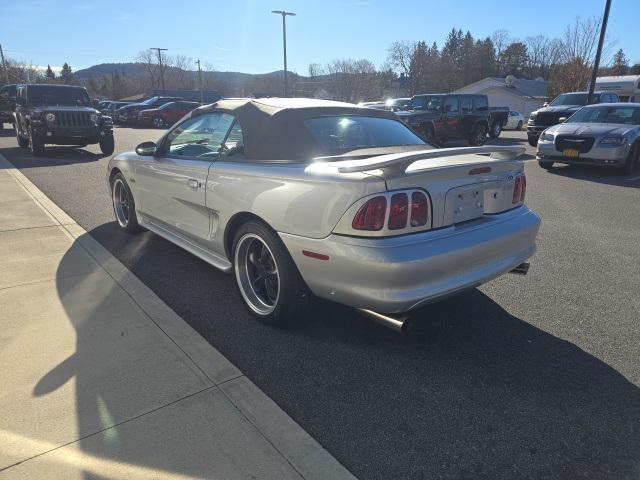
<point x="167" y="114"/>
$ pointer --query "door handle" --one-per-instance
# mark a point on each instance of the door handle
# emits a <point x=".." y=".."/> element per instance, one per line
<point x="193" y="183"/>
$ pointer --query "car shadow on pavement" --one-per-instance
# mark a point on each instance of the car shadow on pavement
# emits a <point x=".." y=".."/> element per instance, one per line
<point x="595" y="174"/>
<point x="52" y="156"/>
<point x="470" y="392"/>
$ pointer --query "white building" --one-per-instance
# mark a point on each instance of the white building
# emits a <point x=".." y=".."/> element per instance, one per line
<point x="521" y="95"/>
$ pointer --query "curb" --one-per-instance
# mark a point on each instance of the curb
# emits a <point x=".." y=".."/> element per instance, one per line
<point x="295" y="445"/>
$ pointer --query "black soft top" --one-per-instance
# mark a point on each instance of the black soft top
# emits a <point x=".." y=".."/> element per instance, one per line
<point x="273" y="128"/>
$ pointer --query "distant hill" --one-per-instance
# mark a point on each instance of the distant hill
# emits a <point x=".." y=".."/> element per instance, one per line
<point x="133" y="70"/>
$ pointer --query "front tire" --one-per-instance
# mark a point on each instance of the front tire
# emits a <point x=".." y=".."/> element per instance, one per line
<point x="519" y="127"/>
<point x="159" y="122"/>
<point x="124" y="206"/>
<point x="267" y="278"/>
<point x="478" y="136"/>
<point x="533" y="141"/>
<point x="36" y="145"/>
<point x="22" y="142"/>
<point x="545" y="164"/>
<point x="107" y="144"/>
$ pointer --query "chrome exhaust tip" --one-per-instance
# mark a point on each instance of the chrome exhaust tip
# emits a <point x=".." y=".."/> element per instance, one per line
<point x="397" y="324"/>
<point x="521" y="269"/>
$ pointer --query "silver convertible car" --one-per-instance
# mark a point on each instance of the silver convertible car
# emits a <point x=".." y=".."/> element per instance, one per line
<point x="303" y="198"/>
<point x="607" y="134"/>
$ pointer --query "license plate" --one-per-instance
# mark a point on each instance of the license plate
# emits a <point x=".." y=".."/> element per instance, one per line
<point x="570" y="152"/>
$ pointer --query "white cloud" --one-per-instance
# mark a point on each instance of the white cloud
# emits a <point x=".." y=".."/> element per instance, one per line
<point x="43" y="68"/>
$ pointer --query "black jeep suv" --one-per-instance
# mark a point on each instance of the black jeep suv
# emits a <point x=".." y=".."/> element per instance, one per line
<point x="563" y="106"/>
<point x="59" y="115"/>
<point x="442" y="117"/>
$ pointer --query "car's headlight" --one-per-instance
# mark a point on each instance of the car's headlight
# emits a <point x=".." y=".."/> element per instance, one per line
<point x="94" y="117"/>
<point x="50" y="117"/>
<point x="547" y="137"/>
<point x="614" y="141"/>
<point x="533" y="116"/>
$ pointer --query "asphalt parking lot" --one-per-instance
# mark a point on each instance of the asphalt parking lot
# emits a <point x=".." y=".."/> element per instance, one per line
<point x="525" y="377"/>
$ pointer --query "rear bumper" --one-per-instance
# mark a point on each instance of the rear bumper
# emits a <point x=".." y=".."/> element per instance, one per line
<point x="395" y="275"/>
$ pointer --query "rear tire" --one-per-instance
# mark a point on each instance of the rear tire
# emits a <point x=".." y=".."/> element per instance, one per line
<point x="107" y="144"/>
<point x="478" y="136"/>
<point x="36" y="145"/>
<point x="267" y="277"/>
<point x="124" y="206"/>
<point x="519" y="127"/>
<point x="545" y="164"/>
<point x="496" y="129"/>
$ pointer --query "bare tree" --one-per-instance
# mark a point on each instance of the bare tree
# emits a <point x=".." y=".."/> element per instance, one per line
<point x="399" y="56"/>
<point x="501" y="40"/>
<point x="149" y="60"/>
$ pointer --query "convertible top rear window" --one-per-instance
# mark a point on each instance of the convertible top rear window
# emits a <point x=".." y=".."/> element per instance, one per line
<point x="351" y="132"/>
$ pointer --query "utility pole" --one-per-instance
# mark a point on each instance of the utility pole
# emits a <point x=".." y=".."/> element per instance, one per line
<point x="200" y="80"/>
<point x="160" y="50"/>
<point x="596" y="64"/>
<point x="284" y="41"/>
<point x="4" y="66"/>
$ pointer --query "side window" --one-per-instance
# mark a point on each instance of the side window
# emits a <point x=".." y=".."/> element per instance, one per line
<point x="480" y="103"/>
<point x="465" y="102"/>
<point x="199" y="137"/>
<point x="234" y="141"/>
<point x="451" y="104"/>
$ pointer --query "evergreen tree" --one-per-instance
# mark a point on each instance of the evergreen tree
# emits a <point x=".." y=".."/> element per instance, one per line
<point x="66" y="74"/>
<point x="50" y="75"/>
<point x="620" y="64"/>
<point x="513" y="60"/>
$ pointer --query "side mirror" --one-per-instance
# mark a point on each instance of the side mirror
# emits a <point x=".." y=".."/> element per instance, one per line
<point x="545" y="104"/>
<point x="562" y="119"/>
<point x="147" y="149"/>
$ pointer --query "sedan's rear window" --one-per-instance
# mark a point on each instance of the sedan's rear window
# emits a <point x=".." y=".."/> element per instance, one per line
<point x="351" y="132"/>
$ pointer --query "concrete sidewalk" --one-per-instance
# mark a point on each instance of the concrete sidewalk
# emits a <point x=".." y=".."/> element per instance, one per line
<point x="100" y="379"/>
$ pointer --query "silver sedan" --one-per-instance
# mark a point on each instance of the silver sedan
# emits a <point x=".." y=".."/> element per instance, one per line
<point x="606" y="134"/>
<point x="303" y="197"/>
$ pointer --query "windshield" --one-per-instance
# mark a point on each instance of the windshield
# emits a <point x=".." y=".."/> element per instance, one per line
<point x="41" y="95"/>
<point x="149" y="101"/>
<point x="428" y="102"/>
<point x="602" y="114"/>
<point x="569" y="99"/>
<point x="351" y="132"/>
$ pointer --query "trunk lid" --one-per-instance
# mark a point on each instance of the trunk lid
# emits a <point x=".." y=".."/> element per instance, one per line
<point x="463" y="183"/>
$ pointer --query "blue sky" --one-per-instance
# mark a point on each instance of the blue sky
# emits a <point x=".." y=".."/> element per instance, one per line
<point x="242" y="35"/>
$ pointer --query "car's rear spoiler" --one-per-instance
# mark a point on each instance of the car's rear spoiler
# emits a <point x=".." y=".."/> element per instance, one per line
<point x="399" y="162"/>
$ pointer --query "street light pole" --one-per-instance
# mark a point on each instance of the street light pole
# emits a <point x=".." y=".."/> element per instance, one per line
<point x="596" y="63"/>
<point x="284" y="41"/>
<point x="160" y="50"/>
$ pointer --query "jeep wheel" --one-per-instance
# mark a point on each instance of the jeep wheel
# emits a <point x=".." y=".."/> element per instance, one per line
<point x="36" y="145"/>
<point x="496" y="129"/>
<point x="158" y="122"/>
<point x="533" y="141"/>
<point x="22" y="142"/>
<point x="479" y="136"/>
<point x="107" y="144"/>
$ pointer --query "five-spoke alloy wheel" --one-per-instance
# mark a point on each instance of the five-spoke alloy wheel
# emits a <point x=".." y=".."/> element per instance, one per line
<point x="257" y="274"/>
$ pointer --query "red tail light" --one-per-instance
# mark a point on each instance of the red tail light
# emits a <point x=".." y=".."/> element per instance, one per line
<point x="517" y="189"/>
<point x="371" y="215"/>
<point x="523" y="187"/>
<point x="419" y="209"/>
<point x="399" y="211"/>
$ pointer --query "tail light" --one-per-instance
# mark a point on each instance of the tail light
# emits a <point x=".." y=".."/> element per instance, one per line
<point x="519" y="188"/>
<point x="398" y="212"/>
<point x="404" y="212"/>
<point x="419" y="209"/>
<point x="371" y="215"/>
